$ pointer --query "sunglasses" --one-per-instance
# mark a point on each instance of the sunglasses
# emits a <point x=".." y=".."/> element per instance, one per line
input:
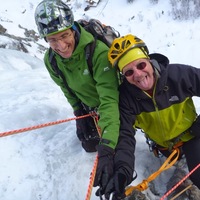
<point x="139" y="66"/>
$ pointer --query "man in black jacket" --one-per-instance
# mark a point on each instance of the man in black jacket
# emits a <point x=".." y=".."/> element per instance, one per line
<point x="155" y="96"/>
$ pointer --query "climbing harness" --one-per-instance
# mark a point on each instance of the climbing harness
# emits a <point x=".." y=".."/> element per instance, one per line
<point x="153" y="148"/>
<point x="156" y="149"/>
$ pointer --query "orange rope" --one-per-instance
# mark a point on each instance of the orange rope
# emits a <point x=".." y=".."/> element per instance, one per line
<point x="40" y="126"/>
<point x="95" y="117"/>
<point x="166" y="165"/>
<point x="181" y="181"/>
<point x="93" y="173"/>
<point x="92" y="176"/>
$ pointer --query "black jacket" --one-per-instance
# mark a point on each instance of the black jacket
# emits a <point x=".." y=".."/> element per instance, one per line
<point x="163" y="117"/>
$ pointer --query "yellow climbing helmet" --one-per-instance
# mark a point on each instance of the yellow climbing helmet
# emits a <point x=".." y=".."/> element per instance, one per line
<point x="122" y="45"/>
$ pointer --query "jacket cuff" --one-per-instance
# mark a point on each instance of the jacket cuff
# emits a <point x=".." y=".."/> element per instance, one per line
<point x="104" y="150"/>
<point x="78" y="112"/>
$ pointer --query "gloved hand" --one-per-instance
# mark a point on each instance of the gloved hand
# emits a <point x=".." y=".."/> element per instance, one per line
<point x="81" y="125"/>
<point x="116" y="185"/>
<point x="104" y="168"/>
<point x="195" y="128"/>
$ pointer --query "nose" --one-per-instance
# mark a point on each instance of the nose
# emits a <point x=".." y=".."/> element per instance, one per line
<point x="137" y="72"/>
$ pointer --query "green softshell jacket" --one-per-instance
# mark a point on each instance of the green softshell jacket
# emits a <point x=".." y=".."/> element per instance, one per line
<point x="99" y="90"/>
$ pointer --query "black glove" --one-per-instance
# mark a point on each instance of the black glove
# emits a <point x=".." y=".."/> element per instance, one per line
<point x="81" y="125"/>
<point x="104" y="168"/>
<point x="195" y="128"/>
<point x="116" y="185"/>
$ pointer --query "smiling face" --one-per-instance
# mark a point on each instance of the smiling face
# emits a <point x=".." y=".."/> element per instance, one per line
<point x="62" y="43"/>
<point x="140" y="73"/>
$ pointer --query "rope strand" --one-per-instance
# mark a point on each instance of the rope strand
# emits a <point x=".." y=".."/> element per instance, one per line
<point x="3" y="134"/>
<point x="181" y="181"/>
<point x="92" y="176"/>
<point x="95" y="118"/>
<point x="181" y="192"/>
<point x="93" y="173"/>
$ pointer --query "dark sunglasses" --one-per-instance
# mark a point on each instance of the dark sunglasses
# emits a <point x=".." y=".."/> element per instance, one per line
<point x="139" y="66"/>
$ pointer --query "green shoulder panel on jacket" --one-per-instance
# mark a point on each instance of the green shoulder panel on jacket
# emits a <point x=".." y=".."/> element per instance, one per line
<point x="165" y="129"/>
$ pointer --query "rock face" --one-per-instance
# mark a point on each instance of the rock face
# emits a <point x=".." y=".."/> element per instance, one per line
<point x="184" y="190"/>
<point x="20" y="43"/>
<point x="2" y="29"/>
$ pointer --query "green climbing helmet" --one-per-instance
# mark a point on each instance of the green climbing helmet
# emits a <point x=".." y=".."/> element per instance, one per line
<point x="53" y="16"/>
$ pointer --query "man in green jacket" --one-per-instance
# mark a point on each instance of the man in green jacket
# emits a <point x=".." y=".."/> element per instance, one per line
<point x="88" y="92"/>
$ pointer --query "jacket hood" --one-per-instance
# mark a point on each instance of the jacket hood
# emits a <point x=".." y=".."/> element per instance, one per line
<point x="83" y="37"/>
<point x="161" y="59"/>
